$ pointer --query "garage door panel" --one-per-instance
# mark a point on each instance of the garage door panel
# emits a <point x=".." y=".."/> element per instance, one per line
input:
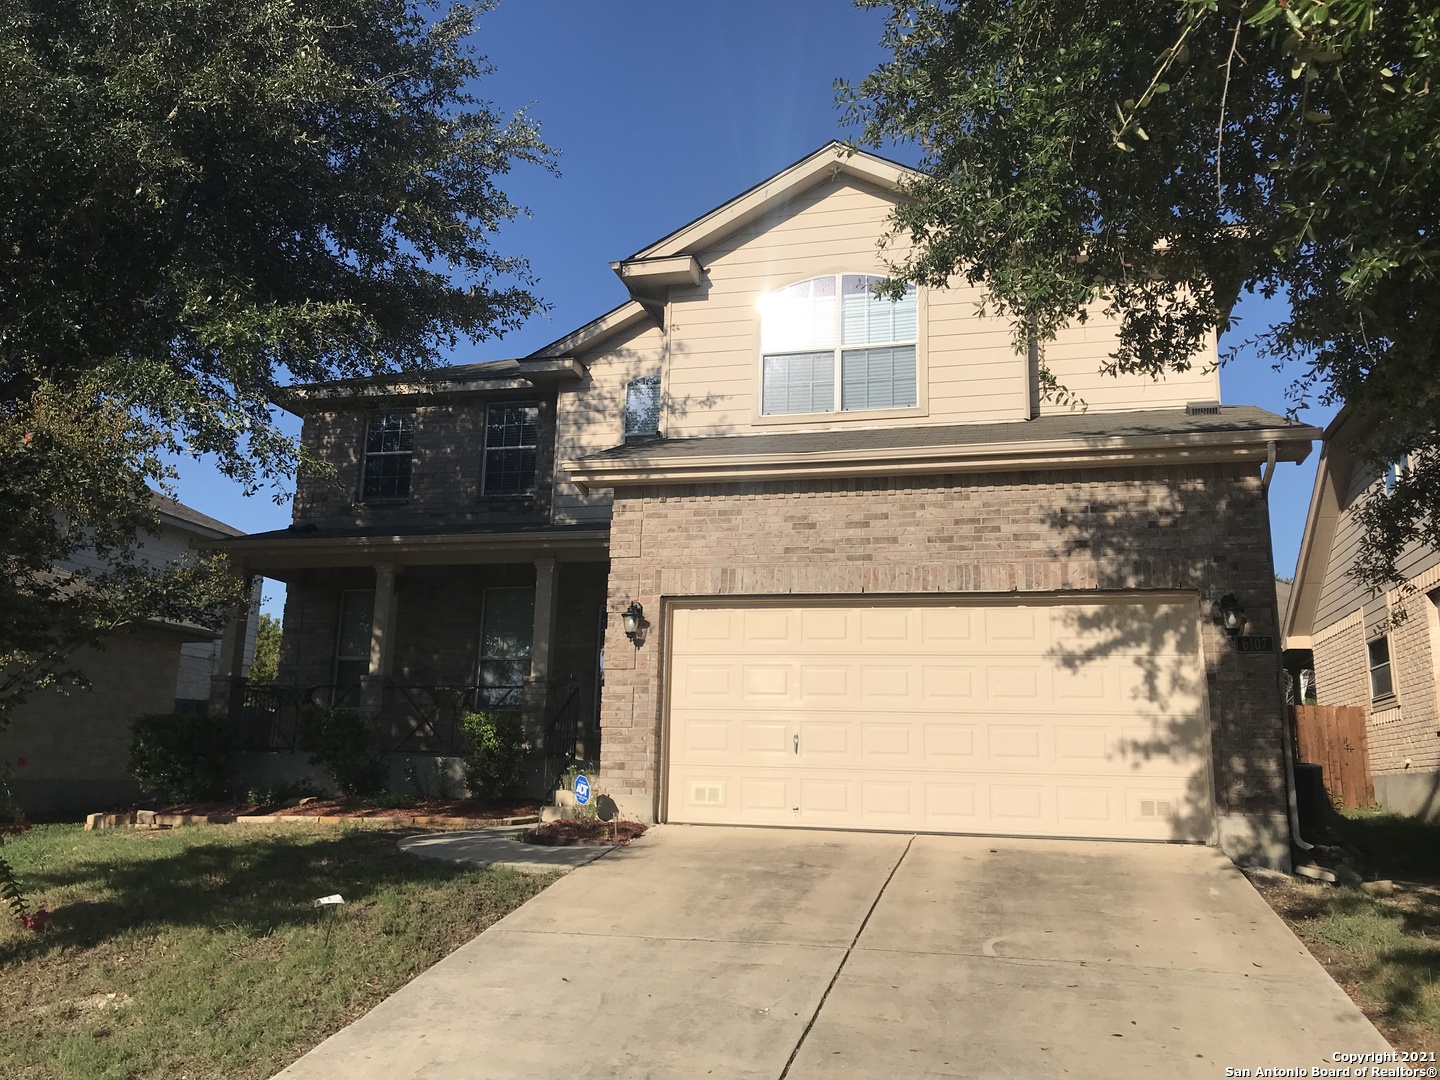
<point x="967" y="718"/>
<point x="950" y="745"/>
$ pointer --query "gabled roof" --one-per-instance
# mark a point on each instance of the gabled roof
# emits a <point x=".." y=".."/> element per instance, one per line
<point x="830" y="162"/>
<point x="671" y="259"/>
<point x="187" y="515"/>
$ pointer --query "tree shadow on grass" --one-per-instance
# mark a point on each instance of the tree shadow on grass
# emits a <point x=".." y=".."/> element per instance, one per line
<point x="266" y="883"/>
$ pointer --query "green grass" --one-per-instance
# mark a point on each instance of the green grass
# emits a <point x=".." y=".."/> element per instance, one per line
<point x="1384" y="950"/>
<point x="220" y="965"/>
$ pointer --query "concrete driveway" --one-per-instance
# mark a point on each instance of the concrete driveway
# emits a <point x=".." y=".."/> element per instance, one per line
<point x="729" y="953"/>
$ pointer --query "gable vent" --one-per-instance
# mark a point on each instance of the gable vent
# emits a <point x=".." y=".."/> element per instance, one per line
<point x="1202" y="408"/>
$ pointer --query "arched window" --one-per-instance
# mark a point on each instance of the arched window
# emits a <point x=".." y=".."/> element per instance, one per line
<point x="830" y="344"/>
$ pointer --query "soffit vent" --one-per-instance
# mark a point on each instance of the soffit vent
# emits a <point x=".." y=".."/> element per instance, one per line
<point x="1202" y="408"/>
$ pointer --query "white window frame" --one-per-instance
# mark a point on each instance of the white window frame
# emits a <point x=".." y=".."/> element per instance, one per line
<point x="649" y="380"/>
<point x="1388" y="667"/>
<point x="407" y="427"/>
<point x="486" y="448"/>
<point x="1393" y="472"/>
<point x="838" y="413"/>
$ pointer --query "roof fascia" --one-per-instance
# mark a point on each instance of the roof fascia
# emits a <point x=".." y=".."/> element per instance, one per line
<point x="1290" y="444"/>
<point x="299" y="552"/>
<point x="831" y="160"/>
<point x="615" y="321"/>
<point x="516" y="375"/>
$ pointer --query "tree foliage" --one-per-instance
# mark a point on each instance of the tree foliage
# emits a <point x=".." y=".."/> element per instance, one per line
<point x="1094" y="155"/>
<point x="202" y="201"/>
<point x="266" y="666"/>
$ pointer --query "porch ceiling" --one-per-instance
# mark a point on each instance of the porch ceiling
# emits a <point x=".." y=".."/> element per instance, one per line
<point x="276" y="554"/>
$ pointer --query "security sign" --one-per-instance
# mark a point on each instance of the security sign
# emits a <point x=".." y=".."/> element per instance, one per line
<point x="582" y="790"/>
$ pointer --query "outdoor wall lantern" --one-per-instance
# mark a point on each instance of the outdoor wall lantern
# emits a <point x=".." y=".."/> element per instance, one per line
<point x="633" y="619"/>
<point x="1232" y="615"/>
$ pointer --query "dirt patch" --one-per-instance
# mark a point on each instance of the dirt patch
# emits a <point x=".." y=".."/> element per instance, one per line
<point x="566" y="833"/>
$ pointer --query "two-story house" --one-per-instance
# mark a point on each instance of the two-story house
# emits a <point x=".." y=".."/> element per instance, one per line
<point x="845" y="567"/>
<point x="1379" y="651"/>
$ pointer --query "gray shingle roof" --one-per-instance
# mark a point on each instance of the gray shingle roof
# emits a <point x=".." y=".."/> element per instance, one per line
<point x="1087" y="426"/>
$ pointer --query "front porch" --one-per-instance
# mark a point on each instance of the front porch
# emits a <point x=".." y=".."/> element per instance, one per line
<point x="415" y="634"/>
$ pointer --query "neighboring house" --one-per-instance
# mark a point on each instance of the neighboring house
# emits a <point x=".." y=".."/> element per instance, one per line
<point x="67" y="751"/>
<point x="869" y="578"/>
<point x="1362" y="656"/>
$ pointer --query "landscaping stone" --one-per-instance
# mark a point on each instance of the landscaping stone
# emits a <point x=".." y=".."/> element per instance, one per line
<point x="1384" y="887"/>
<point x="1315" y="873"/>
<point x="1348" y="876"/>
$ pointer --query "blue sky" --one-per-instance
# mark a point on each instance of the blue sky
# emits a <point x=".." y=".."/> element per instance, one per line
<point x="661" y="111"/>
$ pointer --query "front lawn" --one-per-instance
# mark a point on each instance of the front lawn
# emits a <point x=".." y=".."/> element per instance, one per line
<point x="1384" y="950"/>
<point x="197" y="953"/>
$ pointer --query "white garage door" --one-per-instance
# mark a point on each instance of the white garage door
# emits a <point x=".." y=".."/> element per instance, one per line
<point x="1037" y="719"/>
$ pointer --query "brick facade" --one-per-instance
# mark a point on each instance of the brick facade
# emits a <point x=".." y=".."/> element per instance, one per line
<point x="76" y="743"/>
<point x="1203" y="530"/>
<point x="438" y="613"/>
<point x="445" y="480"/>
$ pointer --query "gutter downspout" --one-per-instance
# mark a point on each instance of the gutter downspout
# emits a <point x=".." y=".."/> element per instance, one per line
<point x="1287" y="748"/>
<point x="1269" y="473"/>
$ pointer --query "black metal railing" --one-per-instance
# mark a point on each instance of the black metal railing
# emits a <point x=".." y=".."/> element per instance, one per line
<point x="266" y="717"/>
<point x="426" y="719"/>
<point x="420" y="719"/>
<point x="563" y="737"/>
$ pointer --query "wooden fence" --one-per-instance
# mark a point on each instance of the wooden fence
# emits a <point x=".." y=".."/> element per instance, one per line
<point x="1333" y="737"/>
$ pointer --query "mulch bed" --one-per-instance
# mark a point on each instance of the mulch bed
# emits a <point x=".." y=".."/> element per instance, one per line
<point x="338" y="807"/>
<point x="586" y="831"/>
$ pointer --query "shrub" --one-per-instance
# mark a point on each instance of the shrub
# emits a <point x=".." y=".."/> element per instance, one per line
<point x="177" y="757"/>
<point x="282" y="792"/>
<point x="347" y="745"/>
<point x="494" y="765"/>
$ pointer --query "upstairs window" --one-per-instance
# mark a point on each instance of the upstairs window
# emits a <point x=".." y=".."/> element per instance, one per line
<point x="1381" y="684"/>
<point x="1395" y="472"/>
<point x="512" y="436"/>
<point x="829" y="344"/>
<point x="389" y="448"/>
<point x="642" y="407"/>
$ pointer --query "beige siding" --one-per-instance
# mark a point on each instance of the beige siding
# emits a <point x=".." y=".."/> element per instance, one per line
<point x="1342" y="593"/>
<point x="974" y="373"/>
<point x="1078" y="352"/>
<point x="590" y="415"/>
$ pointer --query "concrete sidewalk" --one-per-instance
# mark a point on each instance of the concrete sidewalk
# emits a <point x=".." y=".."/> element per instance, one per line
<point x="747" y="953"/>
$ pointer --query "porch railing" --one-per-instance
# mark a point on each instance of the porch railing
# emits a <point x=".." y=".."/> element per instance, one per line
<point x="426" y="719"/>
<point x="420" y="719"/>
<point x="265" y="717"/>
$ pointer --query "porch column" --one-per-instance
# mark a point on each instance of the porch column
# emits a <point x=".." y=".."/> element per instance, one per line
<point x="382" y="640"/>
<point x="542" y="651"/>
<point x="224" y="684"/>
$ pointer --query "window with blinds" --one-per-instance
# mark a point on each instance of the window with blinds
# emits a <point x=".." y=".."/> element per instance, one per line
<point x="831" y="344"/>
<point x="642" y="407"/>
